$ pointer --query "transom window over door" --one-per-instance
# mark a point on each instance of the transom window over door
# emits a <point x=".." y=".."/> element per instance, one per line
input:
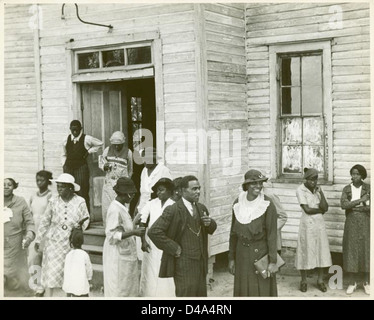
<point x="301" y="121"/>
<point x="301" y="113"/>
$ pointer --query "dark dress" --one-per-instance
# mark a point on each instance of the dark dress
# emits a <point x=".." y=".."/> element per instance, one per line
<point x="249" y="243"/>
<point x="356" y="237"/>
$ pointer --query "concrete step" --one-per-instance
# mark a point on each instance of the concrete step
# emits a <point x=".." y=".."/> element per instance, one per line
<point x="95" y="253"/>
<point x="94" y="236"/>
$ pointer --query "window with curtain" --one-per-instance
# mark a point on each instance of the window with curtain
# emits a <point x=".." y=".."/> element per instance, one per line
<point x="301" y="114"/>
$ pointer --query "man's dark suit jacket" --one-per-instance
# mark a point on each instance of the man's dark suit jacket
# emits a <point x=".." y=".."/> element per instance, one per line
<point x="167" y="230"/>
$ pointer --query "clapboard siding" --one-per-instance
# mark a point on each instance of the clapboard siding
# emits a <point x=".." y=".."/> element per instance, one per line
<point x="20" y="113"/>
<point x="226" y="87"/>
<point x="351" y="110"/>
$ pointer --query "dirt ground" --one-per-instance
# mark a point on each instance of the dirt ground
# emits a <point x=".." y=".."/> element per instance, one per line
<point x="221" y="285"/>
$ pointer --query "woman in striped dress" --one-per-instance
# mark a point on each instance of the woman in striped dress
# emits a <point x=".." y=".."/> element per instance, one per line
<point x="116" y="162"/>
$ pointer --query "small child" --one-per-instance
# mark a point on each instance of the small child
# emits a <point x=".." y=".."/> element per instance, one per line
<point x="78" y="267"/>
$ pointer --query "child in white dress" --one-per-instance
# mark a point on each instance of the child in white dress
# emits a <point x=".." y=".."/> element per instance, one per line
<point x="78" y="268"/>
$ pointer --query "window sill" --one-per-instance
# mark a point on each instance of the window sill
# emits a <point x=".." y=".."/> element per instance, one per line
<point x="298" y="181"/>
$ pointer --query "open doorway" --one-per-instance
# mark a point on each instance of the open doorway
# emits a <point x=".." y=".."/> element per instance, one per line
<point x="116" y="106"/>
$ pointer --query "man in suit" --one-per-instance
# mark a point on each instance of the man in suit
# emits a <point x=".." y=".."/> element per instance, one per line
<point x="182" y="233"/>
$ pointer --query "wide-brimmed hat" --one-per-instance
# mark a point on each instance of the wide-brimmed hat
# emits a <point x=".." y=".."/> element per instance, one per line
<point x="117" y="137"/>
<point x="67" y="178"/>
<point x="163" y="181"/>
<point x="253" y="176"/>
<point x="125" y="185"/>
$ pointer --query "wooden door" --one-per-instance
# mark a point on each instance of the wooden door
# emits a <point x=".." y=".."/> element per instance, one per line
<point x="104" y="110"/>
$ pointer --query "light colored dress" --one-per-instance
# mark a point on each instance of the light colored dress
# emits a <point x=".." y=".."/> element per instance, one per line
<point x="121" y="165"/>
<point x="55" y="228"/>
<point x="17" y="220"/>
<point x="77" y="272"/>
<point x="313" y="249"/>
<point x="146" y="184"/>
<point x="38" y="204"/>
<point x="151" y="285"/>
<point x="121" y="273"/>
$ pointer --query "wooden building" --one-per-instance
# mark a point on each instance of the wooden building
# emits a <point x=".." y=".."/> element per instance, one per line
<point x="244" y="75"/>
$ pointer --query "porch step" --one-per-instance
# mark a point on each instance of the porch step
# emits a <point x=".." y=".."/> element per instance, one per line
<point x="95" y="235"/>
<point x="95" y="253"/>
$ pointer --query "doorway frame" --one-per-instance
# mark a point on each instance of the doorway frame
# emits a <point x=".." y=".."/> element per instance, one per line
<point x="154" y="71"/>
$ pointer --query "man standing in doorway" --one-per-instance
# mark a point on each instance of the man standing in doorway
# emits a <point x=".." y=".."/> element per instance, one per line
<point x="182" y="233"/>
<point x="76" y="148"/>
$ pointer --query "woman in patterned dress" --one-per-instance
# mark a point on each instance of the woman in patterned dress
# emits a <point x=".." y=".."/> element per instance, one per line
<point x="313" y="249"/>
<point x="63" y="213"/>
<point x="355" y="200"/>
<point x="116" y="161"/>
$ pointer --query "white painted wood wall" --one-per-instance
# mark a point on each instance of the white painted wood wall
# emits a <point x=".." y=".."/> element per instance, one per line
<point x="281" y="23"/>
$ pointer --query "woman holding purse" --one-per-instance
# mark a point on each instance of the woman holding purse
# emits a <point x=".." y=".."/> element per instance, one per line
<point x="253" y="235"/>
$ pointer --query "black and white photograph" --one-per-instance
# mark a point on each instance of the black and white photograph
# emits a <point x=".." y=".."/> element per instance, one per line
<point x="186" y="150"/>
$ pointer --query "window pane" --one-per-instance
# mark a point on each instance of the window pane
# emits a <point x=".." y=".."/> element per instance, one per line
<point x="291" y="131"/>
<point x="313" y="131"/>
<point x="291" y="159"/>
<point x="136" y="109"/>
<point x="291" y="71"/>
<point x="311" y="85"/>
<point x="137" y="135"/>
<point x="313" y="157"/>
<point x="88" y="60"/>
<point x="291" y="101"/>
<point x="139" y="55"/>
<point x="113" y="58"/>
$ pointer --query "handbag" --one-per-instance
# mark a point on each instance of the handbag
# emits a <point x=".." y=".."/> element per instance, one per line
<point x="262" y="264"/>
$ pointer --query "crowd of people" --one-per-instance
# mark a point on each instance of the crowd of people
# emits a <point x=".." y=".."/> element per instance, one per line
<point x="169" y="229"/>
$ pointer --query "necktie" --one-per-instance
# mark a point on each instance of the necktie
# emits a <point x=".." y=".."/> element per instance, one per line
<point x="194" y="210"/>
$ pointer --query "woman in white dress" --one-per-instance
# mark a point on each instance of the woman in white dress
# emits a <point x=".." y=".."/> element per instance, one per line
<point x="313" y="245"/>
<point x="150" y="283"/>
<point x="120" y="262"/>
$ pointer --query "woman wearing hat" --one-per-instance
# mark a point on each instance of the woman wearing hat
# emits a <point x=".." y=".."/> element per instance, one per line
<point x="63" y="213"/>
<point x="120" y="262"/>
<point x="313" y="249"/>
<point x="150" y="283"/>
<point x="355" y="200"/>
<point x="253" y="235"/>
<point x="116" y="161"/>
<point x="19" y="232"/>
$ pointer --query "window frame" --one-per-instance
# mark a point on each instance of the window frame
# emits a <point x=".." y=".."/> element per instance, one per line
<point x="275" y="51"/>
<point x="100" y="49"/>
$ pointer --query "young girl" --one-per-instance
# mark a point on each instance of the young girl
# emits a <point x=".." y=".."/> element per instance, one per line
<point x="78" y="268"/>
<point x="38" y="204"/>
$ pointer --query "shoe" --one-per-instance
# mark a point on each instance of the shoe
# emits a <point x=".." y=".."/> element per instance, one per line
<point x="321" y="286"/>
<point x="351" y="288"/>
<point x="39" y="294"/>
<point x="367" y="288"/>
<point x="303" y="286"/>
